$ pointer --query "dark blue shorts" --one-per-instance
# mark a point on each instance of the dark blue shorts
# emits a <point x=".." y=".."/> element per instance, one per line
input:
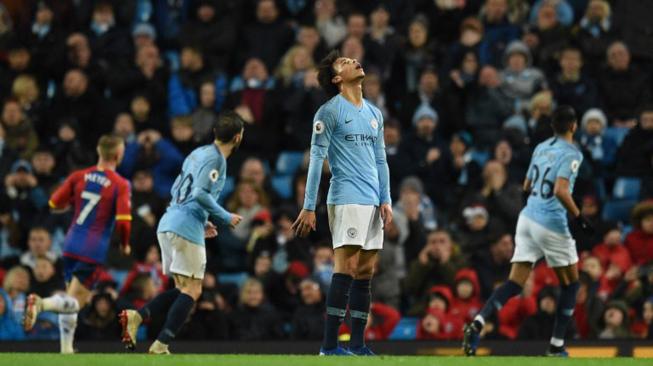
<point x="87" y="273"/>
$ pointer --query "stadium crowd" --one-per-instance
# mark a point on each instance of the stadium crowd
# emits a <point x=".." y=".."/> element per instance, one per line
<point x="466" y="88"/>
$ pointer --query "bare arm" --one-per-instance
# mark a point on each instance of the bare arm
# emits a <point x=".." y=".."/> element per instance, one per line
<point x="562" y="193"/>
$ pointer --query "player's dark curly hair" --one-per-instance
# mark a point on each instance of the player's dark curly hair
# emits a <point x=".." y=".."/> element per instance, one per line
<point x="229" y="124"/>
<point x="325" y="73"/>
<point x="563" y="119"/>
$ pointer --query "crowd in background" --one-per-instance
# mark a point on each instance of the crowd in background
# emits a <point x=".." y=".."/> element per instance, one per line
<point x="466" y="87"/>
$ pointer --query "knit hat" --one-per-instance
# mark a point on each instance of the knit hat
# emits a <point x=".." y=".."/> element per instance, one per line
<point x="595" y="114"/>
<point x="425" y="111"/>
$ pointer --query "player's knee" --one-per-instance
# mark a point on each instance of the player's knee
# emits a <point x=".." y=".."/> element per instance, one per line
<point x="365" y="271"/>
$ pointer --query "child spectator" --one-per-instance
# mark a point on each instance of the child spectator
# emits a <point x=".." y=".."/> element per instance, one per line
<point x="614" y="257"/>
<point x="466" y="302"/>
<point x="10" y="327"/>
<point x="99" y="322"/>
<point x="640" y="241"/>
<point x="603" y="151"/>
<point x="439" y="323"/>
<point x="540" y="325"/>
<point x="616" y="324"/>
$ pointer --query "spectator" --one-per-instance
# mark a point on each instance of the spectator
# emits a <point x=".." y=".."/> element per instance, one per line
<point x="513" y="161"/>
<point x="396" y="156"/>
<point x="382" y="43"/>
<point x="11" y="328"/>
<point x="44" y="162"/>
<point x="26" y="91"/>
<point x="634" y="156"/>
<point x="602" y="150"/>
<point x="468" y="42"/>
<point x="267" y="37"/>
<point x="594" y="33"/>
<point x="414" y="214"/>
<point x="439" y="323"/>
<point x="427" y="95"/>
<point x="99" y="322"/>
<point x="309" y="37"/>
<point x="323" y="265"/>
<point x="184" y="85"/>
<point x="181" y="131"/>
<point x="499" y="32"/>
<point x="206" y="115"/>
<point x="487" y="106"/>
<point x="67" y="147"/>
<point x="147" y="209"/>
<point x="493" y="265"/>
<point x="571" y="85"/>
<point x="466" y="302"/>
<point x="503" y="199"/>
<point x="613" y="255"/>
<point x="478" y="229"/>
<point x="39" y="245"/>
<point x="330" y="25"/>
<point x="45" y="281"/>
<point x="250" y="202"/>
<point x="437" y="264"/>
<point x="20" y="135"/>
<point x="462" y="172"/>
<point x="639" y="242"/>
<point x="208" y="319"/>
<point x="7" y="154"/>
<point x="623" y="86"/>
<point x="647" y="317"/>
<point x="308" y="319"/>
<point x="548" y="33"/>
<point x="214" y="30"/>
<point x="80" y="56"/>
<point x="143" y="34"/>
<point x="150" y="265"/>
<point x="16" y="284"/>
<point x="590" y="209"/>
<point x="540" y="325"/>
<point x="373" y="92"/>
<point x="589" y="308"/>
<point x="253" y="98"/>
<point x="390" y="267"/>
<point x="616" y="321"/>
<point x="516" y="310"/>
<point x="108" y="41"/>
<point x="254" y="319"/>
<point x="140" y="290"/>
<point x="26" y="199"/>
<point x="519" y="79"/>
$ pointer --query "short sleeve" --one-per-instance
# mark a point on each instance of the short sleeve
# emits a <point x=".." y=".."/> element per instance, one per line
<point x="569" y="165"/>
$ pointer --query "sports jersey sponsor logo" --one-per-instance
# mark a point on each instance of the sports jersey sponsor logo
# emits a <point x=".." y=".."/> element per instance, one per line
<point x="213" y="175"/>
<point x="360" y="137"/>
<point x="318" y="127"/>
<point x="374" y="123"/>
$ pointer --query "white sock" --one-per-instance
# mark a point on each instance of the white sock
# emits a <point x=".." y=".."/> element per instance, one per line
<point x="62" y="304"/>
<point x="67" y="325"/>
<point x="556" y="342"/>
<point x="479" y="319"/>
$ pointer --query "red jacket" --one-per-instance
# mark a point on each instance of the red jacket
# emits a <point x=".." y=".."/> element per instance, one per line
<point x="449" y="327"/>
<point x="543" y="276"/>
<point x="640" y="246"/>
<point x="513" y="313"/>
<point x="384" y="321"/>
<point x="613" y="254"/>
<point x="466" y="309"/>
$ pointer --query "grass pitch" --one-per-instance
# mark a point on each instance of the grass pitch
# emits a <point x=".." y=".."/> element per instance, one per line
<point x="50" y="359"/>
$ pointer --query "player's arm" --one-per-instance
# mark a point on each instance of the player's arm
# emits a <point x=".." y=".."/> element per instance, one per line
<point x="568" y="168"/>
<point x="123" y="216"/>
<point x="62" y="197"/>
<point x="383" y="172"/>
<point x="323" y="125"/>
<point x="563" y="194"/>
<point x="207" y="180"/>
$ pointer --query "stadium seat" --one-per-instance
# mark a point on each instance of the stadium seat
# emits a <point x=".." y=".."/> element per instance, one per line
<point x="618" y="210"/>
<point x="227" y="190"/>
<point x="627" y="188"/>
<point x="283" y="186"/>
<point x="288" y="162"/>
<point x="616" y="134"/>
<point x="237" y="279"/>
<point x="406" y="329"/>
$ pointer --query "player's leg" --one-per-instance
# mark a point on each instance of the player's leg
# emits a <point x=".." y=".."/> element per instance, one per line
<point x="78" y="292"/>
<point x="190" y="290"/>
<point x="561" y="255"/>
<point x="345" y="261"/>
<point x="359" y="300"/>
<point x="130" y="320"/>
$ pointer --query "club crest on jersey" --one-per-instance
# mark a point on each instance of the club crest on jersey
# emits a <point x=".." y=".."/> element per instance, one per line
<point x="374" y="123"/>
<point x="318" y="127"/>
<point x="352" y="232"/>
<point x="213" y="175"/>
<point x="574" y="166"/>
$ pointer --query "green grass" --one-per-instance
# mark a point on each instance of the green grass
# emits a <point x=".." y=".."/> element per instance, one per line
<point x="50" y="359"/>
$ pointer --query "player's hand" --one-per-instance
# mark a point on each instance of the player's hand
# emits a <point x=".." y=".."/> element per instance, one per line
<point x="584" y="225"/>
<point x="210" y="231"/>
<point x="235" y="220"/>
<point x="126" y="250"/>
<point x="386" y="214"/>
<point x="304" y="224"/>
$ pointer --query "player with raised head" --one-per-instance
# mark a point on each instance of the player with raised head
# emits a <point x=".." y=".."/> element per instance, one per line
<point x="182" y="229"/>
<point x="348" y="131"/>
<point x="100" y="198"/>
<point x="543" y="231"/>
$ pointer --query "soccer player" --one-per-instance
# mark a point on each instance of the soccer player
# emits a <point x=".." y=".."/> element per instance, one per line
<point x="543" y="231"/>
<point x="348" y="131"/>
<point x="100" y="198"/>
<point x="182" y="229"/>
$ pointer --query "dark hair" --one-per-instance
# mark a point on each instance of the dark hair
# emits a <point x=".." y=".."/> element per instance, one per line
<point x="229" y="124"/>
<point x="326" y="73"/>
<point x="571" y="48"/>
<point x="563" y="118"/>
<point x="646" y="108"/>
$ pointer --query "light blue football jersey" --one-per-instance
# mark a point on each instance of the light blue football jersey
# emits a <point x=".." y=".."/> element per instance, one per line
<point x="552" y="159"/>
<point x="351" y="138"/>
<point x="195" y="195"/>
